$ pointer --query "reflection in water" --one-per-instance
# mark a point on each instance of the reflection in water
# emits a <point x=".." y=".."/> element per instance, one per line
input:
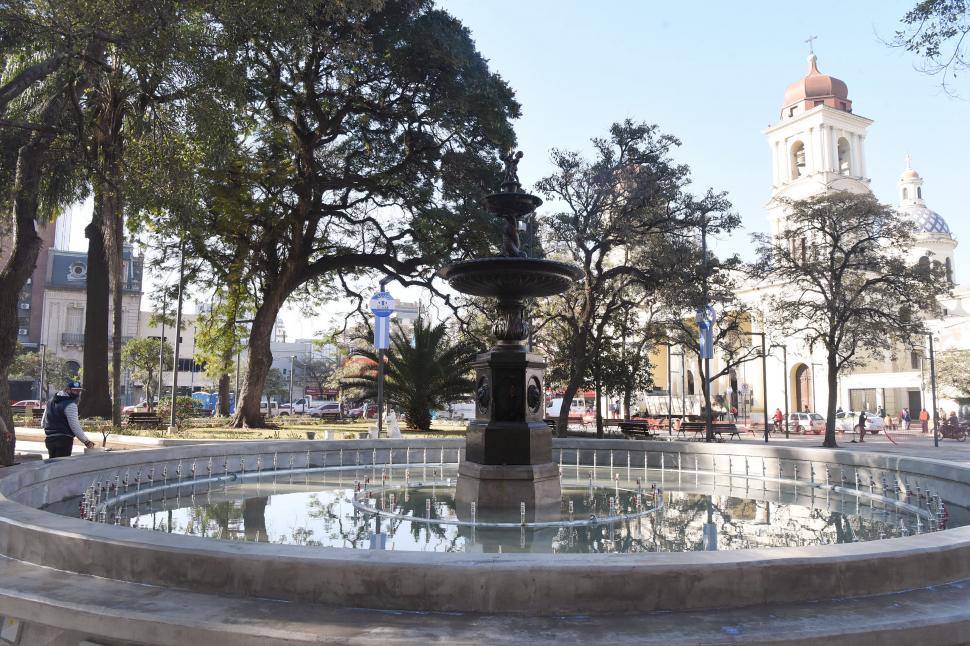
<point x="318" y="509"/>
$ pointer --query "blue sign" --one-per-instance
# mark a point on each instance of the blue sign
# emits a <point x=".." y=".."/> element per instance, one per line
<point x="382" y="304"/>
<point x="382" y="332"/>
<point x="706" y="316"/>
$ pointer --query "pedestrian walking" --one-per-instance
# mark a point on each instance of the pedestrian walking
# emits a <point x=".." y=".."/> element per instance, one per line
<point x="862" y="426"/>
<point x="924" y="420"/>
<point x="60" y="422"/>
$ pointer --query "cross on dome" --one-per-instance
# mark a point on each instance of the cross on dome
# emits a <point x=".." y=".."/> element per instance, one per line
<point x="811" y="49"/>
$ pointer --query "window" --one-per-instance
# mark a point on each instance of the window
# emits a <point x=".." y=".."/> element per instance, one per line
<point x="948" y="267"/>
<point x="797" y="160"/>
<point x="804" y="251"/>
<point x="74" y="322"/>
<point x="914" y="359"/>
<point x="845" y="168"/>
<point x="919" y="192"/>
<point x="690" y="382"/>
<point x="185" y="365"/>
<point x="905" y="193"/>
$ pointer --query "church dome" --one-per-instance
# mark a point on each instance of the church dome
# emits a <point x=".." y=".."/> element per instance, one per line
<point x="924" y="220"/>
<point x="909" y="173"/>
<point x="816" y="89"/>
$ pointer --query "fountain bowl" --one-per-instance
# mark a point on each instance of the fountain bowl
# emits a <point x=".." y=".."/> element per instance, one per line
<point x="511" y="278"/>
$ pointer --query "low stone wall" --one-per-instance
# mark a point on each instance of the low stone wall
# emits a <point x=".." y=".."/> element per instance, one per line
<point x="531" y="584"/>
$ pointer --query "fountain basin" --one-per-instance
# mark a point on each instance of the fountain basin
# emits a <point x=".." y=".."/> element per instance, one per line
<point x="511" y="278"/>
<point x="524" y="583"/>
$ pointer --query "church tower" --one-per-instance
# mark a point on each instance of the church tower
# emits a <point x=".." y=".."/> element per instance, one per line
<point x="934" y="241"/>
<point x="818" y="145"/>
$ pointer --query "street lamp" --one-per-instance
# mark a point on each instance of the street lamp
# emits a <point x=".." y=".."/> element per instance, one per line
<point x="936" y="412"/>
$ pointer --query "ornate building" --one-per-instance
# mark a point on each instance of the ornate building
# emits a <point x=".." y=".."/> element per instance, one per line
<point x="817" y="146"/>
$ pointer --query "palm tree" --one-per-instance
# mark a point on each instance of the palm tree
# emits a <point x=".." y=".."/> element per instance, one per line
<point x="423" y="371"/>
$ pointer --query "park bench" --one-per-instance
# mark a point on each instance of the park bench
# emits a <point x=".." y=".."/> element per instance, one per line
<point x="143" y="420"/>
<point x="699" y="430"/>
<point x="636" y="429"/>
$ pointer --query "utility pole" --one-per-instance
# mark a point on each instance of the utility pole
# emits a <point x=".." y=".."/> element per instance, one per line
<point x="784" y="361"/>
<point x="290" y="394"/>
<point x="936" y="412"/>
<point x="161" y="354"/>
<point x="178" y="326"/>
<point x="709" y="417"/>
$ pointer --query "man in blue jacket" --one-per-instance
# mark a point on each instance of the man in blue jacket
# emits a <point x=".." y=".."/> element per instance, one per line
<point x="60" y="422"/>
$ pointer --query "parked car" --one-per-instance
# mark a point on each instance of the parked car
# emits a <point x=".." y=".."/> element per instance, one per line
<point x="848" y="421"/>
<point x="806" y="423"/>
<point x="367" y="410"/>
<point x="458" y="410"/>
<point x="327" y="409"/>
<point x="576" y="408"/>
<point x="140" y="407"/>
<point x="269" y="409"/>
<point x="29" y="403"/>
<point x="305" y="406"/>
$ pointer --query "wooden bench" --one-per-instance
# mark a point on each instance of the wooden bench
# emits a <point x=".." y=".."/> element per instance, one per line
<point x="700" y="429"/>
<point x="636" y="429"/>
<point x="143" y="420"/>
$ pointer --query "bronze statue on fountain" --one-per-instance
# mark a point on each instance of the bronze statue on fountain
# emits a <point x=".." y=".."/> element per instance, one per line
<point x="508" y="447"/>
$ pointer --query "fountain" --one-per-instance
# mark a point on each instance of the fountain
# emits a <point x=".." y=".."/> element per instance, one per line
<point x="508" y="455"/>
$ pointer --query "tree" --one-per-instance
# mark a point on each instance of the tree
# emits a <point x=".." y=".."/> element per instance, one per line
<point x="953" y="371"/>
<point x="50" y="72"/>
<point x="424" y="371"/>
<point x="618" y="211"/>
<point x="847" y="286"/>
<point x="277" y="386"/>
<point x="707" y="282"/>
<point x="27" y="363"/>
<point x="373" y="123"/>
<point x="318" y="371"/>
<point x="937" y="30"/>
<point x="141" y="357"/>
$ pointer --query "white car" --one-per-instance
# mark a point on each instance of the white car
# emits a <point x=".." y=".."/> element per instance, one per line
<point x="806" y="423"/>
<point x="576" y="408"/>
<point x="326" y="409"/>
<point x="848" y="422"/>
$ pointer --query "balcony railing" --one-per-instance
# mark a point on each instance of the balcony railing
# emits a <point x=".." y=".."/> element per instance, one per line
<point x="77" y="339"/>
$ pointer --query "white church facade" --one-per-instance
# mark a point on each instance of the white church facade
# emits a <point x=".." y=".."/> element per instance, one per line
<point x="818" y="146"/>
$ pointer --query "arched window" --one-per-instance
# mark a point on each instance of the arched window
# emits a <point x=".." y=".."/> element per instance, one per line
<point x="949" y="270"/>
<point x="845" y="167"/>
<point x="919" y="192"/>
<point x="924" y="264"/>
<point x="905" y="193"/>
<point x="690" y="382"/>
<point x="73" y="367"/>
<point x="797" y="160"/>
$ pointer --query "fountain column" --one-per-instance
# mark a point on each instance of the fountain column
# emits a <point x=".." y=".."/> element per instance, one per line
<point x="508" y="452"/>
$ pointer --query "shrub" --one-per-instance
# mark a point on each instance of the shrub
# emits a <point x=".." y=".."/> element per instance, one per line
<point x="185" y="407"/>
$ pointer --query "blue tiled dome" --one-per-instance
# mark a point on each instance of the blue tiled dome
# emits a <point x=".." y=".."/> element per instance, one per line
<point x="926" y="221"/>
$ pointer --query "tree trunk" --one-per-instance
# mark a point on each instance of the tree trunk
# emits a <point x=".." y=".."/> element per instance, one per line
<point x="708" y="413"/>
<point x="96" y="400"/>
<point x="260" y="360"/>
<point x="223" y="396"/>
<point x="20" y="265"/>
<point x="598" y="386"/>
<point x="110" y="121"/>
<point x="833" y="381"/>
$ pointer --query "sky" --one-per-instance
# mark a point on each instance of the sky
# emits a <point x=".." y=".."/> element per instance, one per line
<point x="713" y="74"/>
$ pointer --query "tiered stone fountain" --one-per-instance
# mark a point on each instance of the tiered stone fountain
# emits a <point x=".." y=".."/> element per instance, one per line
<point x="508" y="455"/>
